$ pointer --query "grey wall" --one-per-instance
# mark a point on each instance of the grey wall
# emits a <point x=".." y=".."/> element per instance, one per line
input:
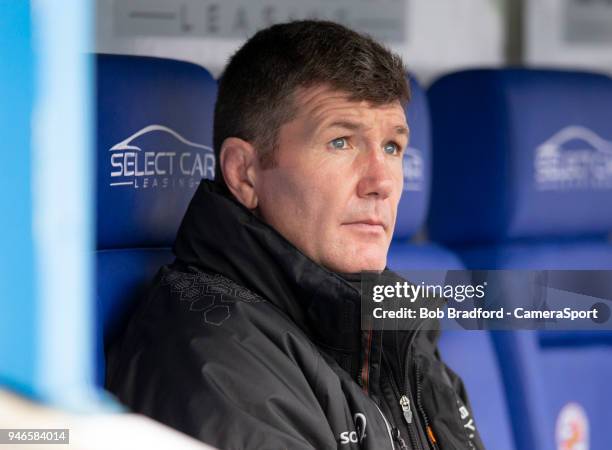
<point x="433" y="36"/>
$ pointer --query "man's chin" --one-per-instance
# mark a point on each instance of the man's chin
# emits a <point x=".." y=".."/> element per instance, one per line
<point x="356" y="263"/>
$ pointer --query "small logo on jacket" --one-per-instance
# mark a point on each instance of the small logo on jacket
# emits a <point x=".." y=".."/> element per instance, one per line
<point x="573" y="158"/>
<point x="468" y="421"/>
<point x="355" y="437"/>
<point x="572" y="429"/>
<point x="158" y="157"/>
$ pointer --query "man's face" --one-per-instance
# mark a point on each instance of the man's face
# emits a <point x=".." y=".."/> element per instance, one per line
<point x="336" y="183"/>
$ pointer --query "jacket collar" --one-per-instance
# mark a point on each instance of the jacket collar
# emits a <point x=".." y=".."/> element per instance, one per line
<point x="220" y="235"/>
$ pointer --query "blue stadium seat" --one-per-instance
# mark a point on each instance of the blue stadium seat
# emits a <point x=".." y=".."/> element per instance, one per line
<point x="523" y="180"/>
<point x="412" y="210"/>
<point x="413" y="205"/>
<point x="154" y="145"/>
<point x="469" y="353"/>
<point x="521" y="155"/>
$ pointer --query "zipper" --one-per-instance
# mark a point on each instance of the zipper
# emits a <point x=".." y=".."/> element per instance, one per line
<point x="420" y="409"/>
<point x="405" y="405"/>
<point x="404" y="402"/>
<point x="394" y="432"/>
<point x="388" y="426"/>
<point x="428" y="430"/>
<point x="398" y="438"/>
<point x="404" y="399"/>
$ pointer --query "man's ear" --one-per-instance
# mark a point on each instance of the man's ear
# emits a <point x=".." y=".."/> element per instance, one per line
<point x="238" y="159"/>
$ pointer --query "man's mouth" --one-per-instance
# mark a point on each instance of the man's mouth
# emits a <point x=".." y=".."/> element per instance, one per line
<point x="367" y="225"/>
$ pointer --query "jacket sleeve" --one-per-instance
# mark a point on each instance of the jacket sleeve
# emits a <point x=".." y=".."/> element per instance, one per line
<point x="231" y="387"/>
<point x="463" y="405"/>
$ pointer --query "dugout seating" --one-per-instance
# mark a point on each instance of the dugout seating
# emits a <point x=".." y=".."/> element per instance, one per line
<point x="469" y="353"/>
<point x="522" y="174"/>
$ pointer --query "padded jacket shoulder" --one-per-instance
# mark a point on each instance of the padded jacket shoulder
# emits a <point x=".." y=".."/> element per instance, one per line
<point x="214" y="360"/>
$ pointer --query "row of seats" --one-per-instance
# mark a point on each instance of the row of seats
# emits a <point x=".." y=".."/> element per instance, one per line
<point x="505" y="169"/>
<point x="521" y="178"/>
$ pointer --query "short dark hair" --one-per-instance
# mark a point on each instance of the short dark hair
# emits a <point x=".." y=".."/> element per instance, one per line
<point x="256" y="89"/>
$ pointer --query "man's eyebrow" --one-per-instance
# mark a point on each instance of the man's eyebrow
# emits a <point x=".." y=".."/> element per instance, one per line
<point x="400" y="129"/>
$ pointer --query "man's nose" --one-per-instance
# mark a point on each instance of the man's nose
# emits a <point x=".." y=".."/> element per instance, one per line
<point x="376" y="179"/>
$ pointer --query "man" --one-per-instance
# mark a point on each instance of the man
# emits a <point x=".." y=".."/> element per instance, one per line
<point x="252" y="338"/>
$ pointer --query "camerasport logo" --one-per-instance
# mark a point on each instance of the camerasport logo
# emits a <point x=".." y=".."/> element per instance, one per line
<point x="414" y="169"/>
<point x="572" y="429"/>
<point x="157" y="157"/>
<point x="573" y="158"/>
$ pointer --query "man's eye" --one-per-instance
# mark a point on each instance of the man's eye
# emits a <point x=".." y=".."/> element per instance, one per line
<point x="339" y="143"/>
<point x="391" y="148"/>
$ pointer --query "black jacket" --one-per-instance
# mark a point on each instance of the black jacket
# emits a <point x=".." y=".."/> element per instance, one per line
<point x="245" y="343"/>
